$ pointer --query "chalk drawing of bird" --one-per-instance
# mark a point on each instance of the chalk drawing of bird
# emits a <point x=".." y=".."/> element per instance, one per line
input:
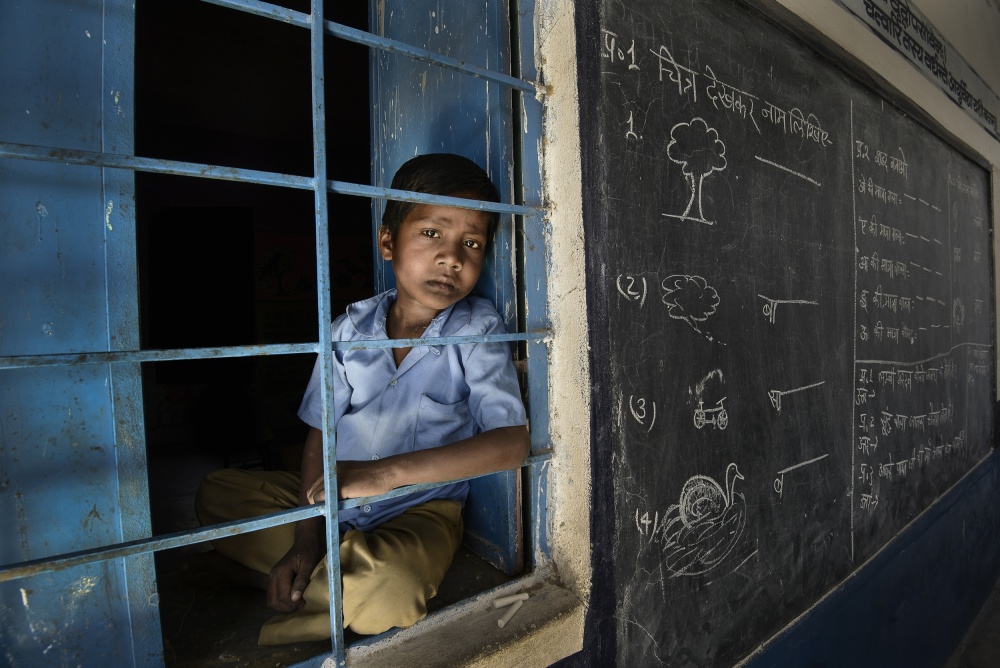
<point x="703" y="528"/>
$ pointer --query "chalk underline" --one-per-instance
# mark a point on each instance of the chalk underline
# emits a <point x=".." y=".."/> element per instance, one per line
<point x="782" y="167"/>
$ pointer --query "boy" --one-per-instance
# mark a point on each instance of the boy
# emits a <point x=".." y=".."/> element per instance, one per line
<point x="404" y="416"/>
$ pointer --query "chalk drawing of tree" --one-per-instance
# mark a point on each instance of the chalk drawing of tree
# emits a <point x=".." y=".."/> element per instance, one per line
<point x="697" y="149"/>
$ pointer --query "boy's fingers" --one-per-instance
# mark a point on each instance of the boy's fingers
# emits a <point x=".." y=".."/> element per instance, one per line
<point x="316" y="493"/>
<point x="298" y="588"/>
<point x="276" y="596"/>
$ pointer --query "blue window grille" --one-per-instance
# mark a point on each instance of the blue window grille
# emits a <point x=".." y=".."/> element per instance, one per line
<point x="121" y="358"/>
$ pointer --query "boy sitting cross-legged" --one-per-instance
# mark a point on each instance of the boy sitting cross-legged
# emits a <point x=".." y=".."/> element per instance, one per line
<point x="404" y="416"/>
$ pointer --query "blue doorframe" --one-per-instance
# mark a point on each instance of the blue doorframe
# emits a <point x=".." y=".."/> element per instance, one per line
<point x="72" y="451"/>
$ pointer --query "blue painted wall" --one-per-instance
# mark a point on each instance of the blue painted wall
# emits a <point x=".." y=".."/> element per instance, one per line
<point x="72" y="467"/>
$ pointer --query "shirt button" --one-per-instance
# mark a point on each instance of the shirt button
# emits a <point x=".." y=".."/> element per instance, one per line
<point x="368" y="509"/>
<point x="393" y="382"/>
<point x="374" y="456"/>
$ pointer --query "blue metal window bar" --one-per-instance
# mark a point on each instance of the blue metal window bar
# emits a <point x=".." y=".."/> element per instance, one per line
<point x="533" y="320"/>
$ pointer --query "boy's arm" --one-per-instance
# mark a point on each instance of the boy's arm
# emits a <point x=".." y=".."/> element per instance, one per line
<point x="495" y="450"/>
<point x="290" y="575"/>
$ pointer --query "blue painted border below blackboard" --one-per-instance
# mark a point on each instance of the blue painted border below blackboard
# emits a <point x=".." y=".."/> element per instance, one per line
<point x="912" y="603"/>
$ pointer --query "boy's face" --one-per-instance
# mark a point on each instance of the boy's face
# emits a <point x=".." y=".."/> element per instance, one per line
<point x="437" y="256"/>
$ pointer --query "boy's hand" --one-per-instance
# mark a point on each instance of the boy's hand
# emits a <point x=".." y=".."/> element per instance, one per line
<point x="354" y="479"/>
<point x="317" y="493"/>
<point x="290" y="576"/>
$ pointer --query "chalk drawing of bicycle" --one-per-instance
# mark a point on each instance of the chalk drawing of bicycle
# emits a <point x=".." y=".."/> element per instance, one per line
<point x="719" y="416"/>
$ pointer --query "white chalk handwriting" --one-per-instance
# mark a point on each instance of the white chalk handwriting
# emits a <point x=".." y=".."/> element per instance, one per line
<point x="779" y="482"/>
<point x="892" y="302"/>
<point x="741" y="102"/>
<point x="867" y="444"/>
<point x="869" y="502"/>
<point x="921" y="456"/>
<point x="730" y="97"/>
<point x="641" y="412"/>
<point x="775" y="395"/>
<point x="612" y="50"/>
<point x="965" y="188"/>
<point x="685" y="78"/>
<point x="877" y="191"/>
<point x="979" y="366"/>
<point x="807" y="127"/>
<point x="632" y="288"/>
<point x="630" y="133"/>
<point x="905" y="379"/>
<point x="896" y="164"/>
<point x="647" y="527"/>
<point x="891" y="268"/>
<point x="904" y="334"/>
<point x="867" y="476"/>
<point x="771" y="305"/>
<point x="871" y="227"/>
<point x="890" y="421"/>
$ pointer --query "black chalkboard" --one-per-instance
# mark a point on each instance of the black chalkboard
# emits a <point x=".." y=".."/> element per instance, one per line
<point x="791" y="308"/>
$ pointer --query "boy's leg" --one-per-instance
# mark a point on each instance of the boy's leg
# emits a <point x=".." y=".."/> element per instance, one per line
<point x="388" y="573"/>
<point x="234" y="494"/>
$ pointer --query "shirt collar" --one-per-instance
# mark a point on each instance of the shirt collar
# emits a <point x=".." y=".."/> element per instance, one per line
<point x="369" y="316"/>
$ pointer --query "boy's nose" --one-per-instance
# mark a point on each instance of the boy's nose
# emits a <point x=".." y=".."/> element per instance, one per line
<point x="451" y="257"/>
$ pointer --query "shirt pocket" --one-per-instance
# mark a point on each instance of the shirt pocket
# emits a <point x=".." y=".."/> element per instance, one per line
<point x="440" y="424"/>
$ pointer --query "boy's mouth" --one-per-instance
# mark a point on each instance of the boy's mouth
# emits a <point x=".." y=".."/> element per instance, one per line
<point x="441" y="285"/>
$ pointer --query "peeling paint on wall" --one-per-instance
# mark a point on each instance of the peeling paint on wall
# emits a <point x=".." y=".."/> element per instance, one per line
<point x="82" y="587"/>
<point x="94" y="514"/>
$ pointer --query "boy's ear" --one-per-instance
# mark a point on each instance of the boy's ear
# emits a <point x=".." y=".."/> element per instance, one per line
<point x="385" y="243"/>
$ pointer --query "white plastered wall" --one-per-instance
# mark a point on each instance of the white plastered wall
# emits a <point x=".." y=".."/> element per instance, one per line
<point x="973" y="28"/>
<point x="570" y="496"/>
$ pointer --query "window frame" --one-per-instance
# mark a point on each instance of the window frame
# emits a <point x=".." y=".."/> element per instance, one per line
<point x="533" y="332"/>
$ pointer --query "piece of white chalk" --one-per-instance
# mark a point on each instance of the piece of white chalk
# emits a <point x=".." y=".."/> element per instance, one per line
<point x="510" y="613"/>
<point x="507" y="600"/>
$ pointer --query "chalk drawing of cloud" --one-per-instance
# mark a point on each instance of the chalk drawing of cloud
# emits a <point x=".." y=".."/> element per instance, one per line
<point x="689" y="298"/>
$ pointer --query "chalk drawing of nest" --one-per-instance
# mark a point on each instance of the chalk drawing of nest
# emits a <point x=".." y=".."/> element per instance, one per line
<point x="701" y="530"/>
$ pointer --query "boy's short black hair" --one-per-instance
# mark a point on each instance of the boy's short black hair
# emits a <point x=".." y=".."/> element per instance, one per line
<point x="444" y="174"/>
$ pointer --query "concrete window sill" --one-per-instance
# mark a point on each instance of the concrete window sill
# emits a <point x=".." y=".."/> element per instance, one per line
<point x="547" y="628"/>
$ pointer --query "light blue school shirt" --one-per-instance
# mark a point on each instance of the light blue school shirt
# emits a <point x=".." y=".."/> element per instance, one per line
<point x="438" y="395"/>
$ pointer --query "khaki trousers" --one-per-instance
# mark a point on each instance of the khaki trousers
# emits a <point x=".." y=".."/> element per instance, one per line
<point x="388" y="573"/>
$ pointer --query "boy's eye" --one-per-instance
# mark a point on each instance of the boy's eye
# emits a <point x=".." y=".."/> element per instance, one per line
<point x="430" y="233"/>
<point x="472" y="243"/>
